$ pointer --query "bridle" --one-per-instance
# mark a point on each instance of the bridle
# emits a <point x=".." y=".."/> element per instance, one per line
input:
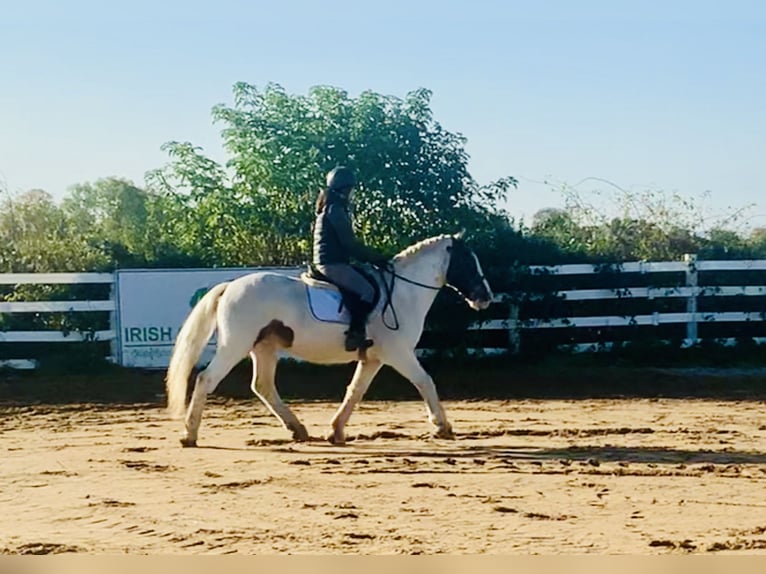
<point x="389" y="290"/>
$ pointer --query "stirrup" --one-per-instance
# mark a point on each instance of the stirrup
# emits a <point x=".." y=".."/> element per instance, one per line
<point x="357" y="341"/>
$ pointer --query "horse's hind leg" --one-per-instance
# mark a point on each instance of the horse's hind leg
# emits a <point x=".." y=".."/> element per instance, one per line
<point x="207" y="380"/>
<point x="409" y="366"/>
<point x="265" y="360"/>
<point x="363" y="375"/>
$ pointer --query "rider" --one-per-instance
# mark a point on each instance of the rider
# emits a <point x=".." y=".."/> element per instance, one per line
<point x="335" y="246"/>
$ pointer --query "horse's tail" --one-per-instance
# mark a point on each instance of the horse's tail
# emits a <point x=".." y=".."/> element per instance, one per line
<point x="192" y="338"/>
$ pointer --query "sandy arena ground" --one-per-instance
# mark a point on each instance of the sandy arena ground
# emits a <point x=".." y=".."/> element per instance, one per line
<point x="553" y="477"/>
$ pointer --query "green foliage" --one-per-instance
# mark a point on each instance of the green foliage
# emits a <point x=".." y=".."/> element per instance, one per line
<point x="36" y="235"/>
<point x="111" y="215"/>
<point x="622" y="225"/>
<point x="413" y="175"/>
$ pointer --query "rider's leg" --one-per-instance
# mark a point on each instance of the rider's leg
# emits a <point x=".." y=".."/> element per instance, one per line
<point x="359" y="306"/>
<point x="356" y="336"/>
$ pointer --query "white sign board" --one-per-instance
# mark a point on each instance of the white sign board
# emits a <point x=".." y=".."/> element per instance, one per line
<point x="153" y="304"/>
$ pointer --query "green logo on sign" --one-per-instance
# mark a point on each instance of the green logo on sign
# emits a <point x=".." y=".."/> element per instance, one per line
<point x="198" y="294"/>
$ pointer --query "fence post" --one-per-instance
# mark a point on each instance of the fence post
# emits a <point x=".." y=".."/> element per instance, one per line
<point x="113" y="320"/>
<point x="691" y="300"/>
<point x="513" y="329"/>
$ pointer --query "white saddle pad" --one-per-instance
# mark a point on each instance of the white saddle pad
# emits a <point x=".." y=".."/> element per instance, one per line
<point x="325" y="303"/>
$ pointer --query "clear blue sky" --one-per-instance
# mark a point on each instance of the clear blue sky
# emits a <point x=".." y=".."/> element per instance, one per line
<point x="647" y="94"/>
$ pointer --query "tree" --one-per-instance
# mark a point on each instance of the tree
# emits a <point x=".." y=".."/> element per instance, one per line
<point x="625" y="225"/>
<point x="113" y="215"/>
<point x="37" y="236"/>
<point x="258" y="209"/>
<point x="757" y="242"/>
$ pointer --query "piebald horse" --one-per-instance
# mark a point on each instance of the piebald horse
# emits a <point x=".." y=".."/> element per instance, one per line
<point x="263" y="313"/>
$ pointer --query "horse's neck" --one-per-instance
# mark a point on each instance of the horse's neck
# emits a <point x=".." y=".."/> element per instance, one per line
<point x="424" y="268"/>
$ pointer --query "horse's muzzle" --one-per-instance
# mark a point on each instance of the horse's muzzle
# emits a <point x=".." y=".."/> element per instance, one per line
<point x="481" y="297"/>
<point x="479" y="305"/>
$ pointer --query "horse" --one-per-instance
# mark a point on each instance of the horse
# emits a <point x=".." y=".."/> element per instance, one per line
<point x="263" y="314"/>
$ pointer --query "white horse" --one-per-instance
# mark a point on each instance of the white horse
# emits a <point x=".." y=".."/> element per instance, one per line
<point x="264" y="312"/>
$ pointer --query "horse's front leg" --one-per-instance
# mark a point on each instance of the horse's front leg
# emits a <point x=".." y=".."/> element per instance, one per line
<point x="409" y="366"/>
<point x="360" y="382"/>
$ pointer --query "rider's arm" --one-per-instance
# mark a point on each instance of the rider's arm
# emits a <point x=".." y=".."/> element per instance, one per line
<point x="341" y="223"/>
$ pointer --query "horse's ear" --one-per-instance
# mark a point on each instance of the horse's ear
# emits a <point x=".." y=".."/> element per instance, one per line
<point x="460" y="235"/>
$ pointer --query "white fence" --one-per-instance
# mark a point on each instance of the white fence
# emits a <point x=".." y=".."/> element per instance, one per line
<point x="691" y="290"/>
<point x="109" y="305"/>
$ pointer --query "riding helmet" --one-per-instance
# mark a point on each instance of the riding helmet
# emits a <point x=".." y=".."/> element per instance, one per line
<point x="340" y="178"/>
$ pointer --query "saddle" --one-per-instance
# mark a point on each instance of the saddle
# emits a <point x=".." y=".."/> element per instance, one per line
<point x="321" y="291"/>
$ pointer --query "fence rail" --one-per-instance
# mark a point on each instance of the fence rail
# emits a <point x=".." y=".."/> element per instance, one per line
<point x="651" y="267"/>
<point x="51" y="336"/>
<point x="54" y="278"/>
<point x="56" y="306"/>
<point x="691" y="291"/>
<point x="691" y="287"/>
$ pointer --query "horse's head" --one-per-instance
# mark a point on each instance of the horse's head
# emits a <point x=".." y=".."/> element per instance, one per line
<point x="465" y="276"/>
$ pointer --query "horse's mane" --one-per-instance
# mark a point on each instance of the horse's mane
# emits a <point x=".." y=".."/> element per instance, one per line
<point x="420" y="245"/>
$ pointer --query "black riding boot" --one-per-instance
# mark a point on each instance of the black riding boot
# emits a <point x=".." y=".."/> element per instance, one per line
<point x="356" y="336"/>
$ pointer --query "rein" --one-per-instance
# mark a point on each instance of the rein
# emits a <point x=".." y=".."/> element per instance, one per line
<point x="389" y="268"/>
<point x="410" y="281"/>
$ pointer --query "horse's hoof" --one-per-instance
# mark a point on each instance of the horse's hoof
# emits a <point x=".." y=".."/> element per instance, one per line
<point x="445" y="434"/>
<point x="336" y="440"/>
<point x="301" y="435"/>
<point x="188" y="443"/>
